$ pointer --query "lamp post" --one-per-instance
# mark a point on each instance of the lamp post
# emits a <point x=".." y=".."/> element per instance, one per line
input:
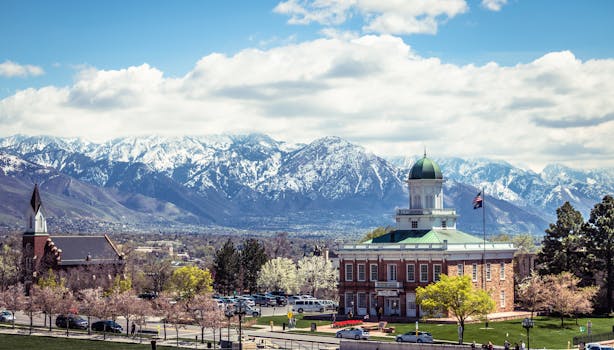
<point x="527" y="324"/>
<point x="240" y="311"/>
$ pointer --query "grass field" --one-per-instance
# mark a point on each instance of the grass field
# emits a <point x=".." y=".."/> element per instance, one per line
<point x="15" y="342"/>
<point x="547" y="332"/>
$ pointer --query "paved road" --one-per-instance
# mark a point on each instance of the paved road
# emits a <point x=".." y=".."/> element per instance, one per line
<point x="278" y="337"/>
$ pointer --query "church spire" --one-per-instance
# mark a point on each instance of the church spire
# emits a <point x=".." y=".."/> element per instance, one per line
<point x="35" y="201"/>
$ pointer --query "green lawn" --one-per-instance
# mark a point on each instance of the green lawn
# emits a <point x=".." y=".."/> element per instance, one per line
<point x="547" y="332"/>
<point x="13" y="342"/>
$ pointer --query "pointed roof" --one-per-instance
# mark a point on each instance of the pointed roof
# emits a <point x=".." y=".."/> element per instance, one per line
<point x="35" y="201"/>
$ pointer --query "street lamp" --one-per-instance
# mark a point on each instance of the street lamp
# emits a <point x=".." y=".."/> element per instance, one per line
<point x="527" y="324"/>
<point x="240" y="311"/>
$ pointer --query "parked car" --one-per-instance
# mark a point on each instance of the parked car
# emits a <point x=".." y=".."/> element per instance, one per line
<point x="71" y="321"/>
<point x="310" y="305"/>
<point x="264" y="300"/>
<point x="6" y="316"/>
<point x="596" y="346"/>
<point x="246" y="300"/>
<point x="410" y="337"/>
<point x="111" y="326"/>
<point x="330" y="305"/>
<point x="353" y="333"/>
<point x="250" y="310"/>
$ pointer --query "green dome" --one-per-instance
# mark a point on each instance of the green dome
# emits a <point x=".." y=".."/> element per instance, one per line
<point x="425" y="169"/>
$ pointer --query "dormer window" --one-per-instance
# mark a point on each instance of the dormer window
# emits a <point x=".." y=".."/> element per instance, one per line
<point x="414" y="224"/>
<point x="444" y="224"/>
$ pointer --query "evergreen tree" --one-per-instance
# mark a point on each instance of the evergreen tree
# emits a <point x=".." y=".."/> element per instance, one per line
<point x="226" y="267"/>
<point x="563" y="247"/>
<point x="601" y="244"/>
<point x="252" y="257"/>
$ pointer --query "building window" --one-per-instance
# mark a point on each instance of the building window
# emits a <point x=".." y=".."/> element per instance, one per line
<point x="362" y="273"/>
<point x="474" y="272"/>
<point x="444" y="224"/>
<point x="414" y="224"/>
<point x="373" y="272"/>
<point x="488" y="271"/>
<point x="411" y="273"/>
<point x="349" y="300"/>
<point x="392" y="272"/>
<point x="461" y="269"/>
<point x="349" y="272"/>
<point x="361" y="300"/>
<point x="502" y="298"/>
<point x="424" y="273"/>
<point x="502" y="271"/>
<point x="436" y="272"/>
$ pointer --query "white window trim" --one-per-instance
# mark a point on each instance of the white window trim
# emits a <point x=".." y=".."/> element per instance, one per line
<point x="502" y="298"/>
<point x="364" y="272"/>
<point x="436" y="278"/>
<point x="474" y="272"/>
<point x="426" y="274"/>
<point x="349" y="272"/>
<point x="371" y="272"/>
<point x="502" y="271"/>
<point x="407" y="273"/>
<point x="461" y="269"/>
<point x="389" y="274"/>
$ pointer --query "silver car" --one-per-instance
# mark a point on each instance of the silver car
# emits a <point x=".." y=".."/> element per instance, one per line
<point x="6" y="316"/>
<point x="353" y="333"/>
<point x="410" y="337"/>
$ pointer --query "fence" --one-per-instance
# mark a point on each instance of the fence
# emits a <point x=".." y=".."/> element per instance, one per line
<point x="593" y="338"/>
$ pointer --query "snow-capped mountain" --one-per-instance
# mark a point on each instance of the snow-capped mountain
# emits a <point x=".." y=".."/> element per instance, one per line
<point x="255" y="182"/>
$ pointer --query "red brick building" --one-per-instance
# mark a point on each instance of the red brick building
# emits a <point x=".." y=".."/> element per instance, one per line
<point x="95" y="254"/>
<point x="384" y="272"/>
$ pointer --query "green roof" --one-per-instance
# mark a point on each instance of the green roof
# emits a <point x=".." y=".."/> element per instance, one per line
<point x="425" y="169"/>
<point x="425" y="236"/>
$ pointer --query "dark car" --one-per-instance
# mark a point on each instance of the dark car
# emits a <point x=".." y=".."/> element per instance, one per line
<point x="111" y="326"/>
<point x="71" y="321"/>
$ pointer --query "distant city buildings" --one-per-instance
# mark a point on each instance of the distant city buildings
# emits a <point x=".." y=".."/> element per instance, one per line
<point x="382" y="274"/>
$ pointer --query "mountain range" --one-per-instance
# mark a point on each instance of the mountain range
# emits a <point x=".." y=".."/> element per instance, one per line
<point x="253" y="182"/>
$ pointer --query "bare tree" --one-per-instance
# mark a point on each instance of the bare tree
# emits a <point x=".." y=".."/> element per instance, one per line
<point x="316" y="273"/>
<point x="162" y="307"/>
<point x="13" y="299"/>
<point x="103" y="309"/>
<point x="10" y="263"/>
<point x="143" y="308"/>
<point x="177" y="316"/>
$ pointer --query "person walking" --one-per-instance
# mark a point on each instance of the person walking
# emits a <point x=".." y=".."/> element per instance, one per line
<point x="133" y="329"/>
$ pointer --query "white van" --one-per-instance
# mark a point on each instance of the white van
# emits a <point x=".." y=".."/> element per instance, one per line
<point x="308" y="305"/>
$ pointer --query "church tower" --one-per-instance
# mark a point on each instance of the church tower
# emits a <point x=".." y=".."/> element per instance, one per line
<point x="35" y="236"/>
<point x="426" y="211"/>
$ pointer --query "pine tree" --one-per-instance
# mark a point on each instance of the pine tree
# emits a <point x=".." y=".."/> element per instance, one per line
<point x="563" y="247"/>
<point x="601" y="244"/>
<point x="253" y="256"/>
<point x="226" y="267"/>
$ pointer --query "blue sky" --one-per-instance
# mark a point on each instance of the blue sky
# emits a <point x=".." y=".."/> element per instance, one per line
<point x="98" y="69"/>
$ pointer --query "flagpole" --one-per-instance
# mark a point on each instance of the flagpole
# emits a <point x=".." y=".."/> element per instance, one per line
<point x="484" y="239"/>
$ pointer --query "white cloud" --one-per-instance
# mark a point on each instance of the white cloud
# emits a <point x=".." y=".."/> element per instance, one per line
<point x="372" y="90"/>
<point x="493" y="5"/>
<point x="385" y="17"/>
<point x="11" y="69"/>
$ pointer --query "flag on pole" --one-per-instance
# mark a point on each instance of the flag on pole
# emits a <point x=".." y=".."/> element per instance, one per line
<point x="477" y="201"/>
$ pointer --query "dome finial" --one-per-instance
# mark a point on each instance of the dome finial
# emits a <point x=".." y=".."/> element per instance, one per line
<point x="424" y="151"/>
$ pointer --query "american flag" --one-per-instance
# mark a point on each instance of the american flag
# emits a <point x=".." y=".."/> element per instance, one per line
<point x="477" y="201"/>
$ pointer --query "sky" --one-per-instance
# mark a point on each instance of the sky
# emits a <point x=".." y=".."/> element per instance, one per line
<point x="524" y="81"/>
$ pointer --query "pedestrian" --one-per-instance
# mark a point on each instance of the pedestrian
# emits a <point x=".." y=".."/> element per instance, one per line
<point x="522" y="346"/>
<point x="473" y="345"/>
<point x="516" y="346"/>
<point x="506" y="345"/>
<point x="380" y="312"/>
<point x="133" y="330"/>
<point x="490" y="346"/>
<point x="334" y="317"/>
<point x="366" y="318"/>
